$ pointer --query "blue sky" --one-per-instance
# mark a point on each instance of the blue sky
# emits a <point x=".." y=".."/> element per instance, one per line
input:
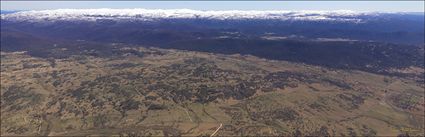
<point x="394" y="6"/>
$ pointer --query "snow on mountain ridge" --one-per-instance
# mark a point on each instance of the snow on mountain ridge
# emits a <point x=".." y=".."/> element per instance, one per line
<point x="151" y="14"/>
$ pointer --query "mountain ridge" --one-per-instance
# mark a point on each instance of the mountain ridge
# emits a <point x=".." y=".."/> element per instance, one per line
<point x="148" y="14"/>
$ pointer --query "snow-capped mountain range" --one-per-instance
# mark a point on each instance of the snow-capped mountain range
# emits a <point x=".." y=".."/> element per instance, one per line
<point x="152" y="14"/>
<point x="143" y="26"/>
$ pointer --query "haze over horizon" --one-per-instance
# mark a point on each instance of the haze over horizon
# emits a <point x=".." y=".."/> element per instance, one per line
<point x="361" y="6"/>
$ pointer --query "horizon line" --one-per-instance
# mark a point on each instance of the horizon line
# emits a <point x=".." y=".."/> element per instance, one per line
<point x="334" y="10"/>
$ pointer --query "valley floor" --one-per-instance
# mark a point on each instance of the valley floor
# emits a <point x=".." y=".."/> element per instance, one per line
<point x="151" y="91"/>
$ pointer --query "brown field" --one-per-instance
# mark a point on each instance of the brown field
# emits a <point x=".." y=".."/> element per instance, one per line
<point x="174" y="92"/>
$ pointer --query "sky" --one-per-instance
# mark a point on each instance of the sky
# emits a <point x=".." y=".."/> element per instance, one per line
<point x="386" y="6"/>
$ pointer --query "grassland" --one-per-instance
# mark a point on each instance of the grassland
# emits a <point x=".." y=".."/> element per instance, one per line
<point x="151" y="91"/>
